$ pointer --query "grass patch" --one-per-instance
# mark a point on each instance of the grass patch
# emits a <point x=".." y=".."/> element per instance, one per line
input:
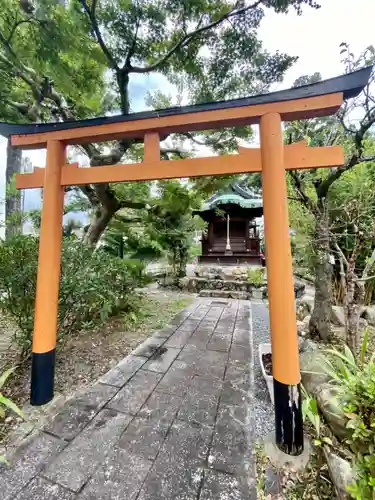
<point x="153" y="312"/>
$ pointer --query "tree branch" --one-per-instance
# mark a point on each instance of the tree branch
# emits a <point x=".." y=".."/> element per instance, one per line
<point x="130" y="53"/>
<point x="92" y="16"/>
<point x="336" y="173"/>
<point x="189" y="36"/>
<point x="308" y="202"/>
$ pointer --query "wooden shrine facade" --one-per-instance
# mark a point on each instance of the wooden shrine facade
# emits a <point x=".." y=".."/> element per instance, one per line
<point x="232" y="234"/>
<point x="271" y="159"/>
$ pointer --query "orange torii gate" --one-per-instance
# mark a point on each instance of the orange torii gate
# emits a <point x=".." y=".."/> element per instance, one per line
<point x="272" y="159"/>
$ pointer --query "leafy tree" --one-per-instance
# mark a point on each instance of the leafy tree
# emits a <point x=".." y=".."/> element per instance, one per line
<point x="164" y="230"/>
<point x="315" y="190"/>
<point x="172" y="224"/>
<point x="65" y="62"/>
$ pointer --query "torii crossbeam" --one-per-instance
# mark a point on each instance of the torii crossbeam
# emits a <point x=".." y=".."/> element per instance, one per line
<point x="272" y="159"/>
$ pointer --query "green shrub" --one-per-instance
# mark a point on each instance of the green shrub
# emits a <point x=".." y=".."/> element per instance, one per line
<point x="255" y="276"/>
<point x="93" y="285"/>
<point x="355" y="380"/>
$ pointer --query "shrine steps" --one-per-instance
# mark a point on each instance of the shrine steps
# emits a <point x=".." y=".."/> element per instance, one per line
<point x="221" y="259"/>
<point x="232" y="294"/>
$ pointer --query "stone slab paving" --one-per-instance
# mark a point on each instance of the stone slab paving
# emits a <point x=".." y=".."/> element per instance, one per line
<point x="174" y="420"/>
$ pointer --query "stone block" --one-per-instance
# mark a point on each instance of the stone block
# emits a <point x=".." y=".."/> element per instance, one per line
<point x="217" y="486"/>
<point x="240" y="353"/>
<point x="204" y="363"/>
<point x="75" y="465"/>
<point x="123" y="371"/>
<point x="177" y="380"/>
<point x="135" y="393"/>
<point x="166" y="332"/>
<point x="120" y="477"/>
<point x="234" y="393"/>
<point x="149" y="347"/>
<point x="220" y="342"/>
<point x="77" y="412"/>
<point x="230" y="451"/>
<point x="160" y="362"/>
<point x="178" y="339"/>
<point x="200" y="403"/>
<point x="144" y="437"/>
<point x="161" y="406"/>
<point x="189" y="325"/>
<point x="28" y="460"/>
<point x="241" y="336"/>
<point x="177" y="472"/>
<point x="41" y="489"/>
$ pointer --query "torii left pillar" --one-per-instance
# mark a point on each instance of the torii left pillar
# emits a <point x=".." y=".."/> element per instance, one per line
<point x="48" y="280"/>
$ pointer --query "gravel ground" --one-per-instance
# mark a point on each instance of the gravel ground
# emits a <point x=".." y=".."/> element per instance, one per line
<point x="263" y="413"/>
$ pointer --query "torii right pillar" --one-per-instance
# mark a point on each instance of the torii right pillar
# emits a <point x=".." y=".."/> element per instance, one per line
<point x="284" y="339"/>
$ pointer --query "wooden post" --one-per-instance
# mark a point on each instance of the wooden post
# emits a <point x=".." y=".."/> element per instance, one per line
<point x="285" y="358"/>
<point x="210" y="235"/>
<point x="47" y="290"/>
<point x="228" y="250"/>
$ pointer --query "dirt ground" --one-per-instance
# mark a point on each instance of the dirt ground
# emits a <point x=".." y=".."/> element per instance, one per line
<point x="83" y="358"/>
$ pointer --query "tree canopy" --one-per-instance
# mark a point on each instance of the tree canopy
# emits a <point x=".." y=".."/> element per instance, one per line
<point x="70" y="60"/>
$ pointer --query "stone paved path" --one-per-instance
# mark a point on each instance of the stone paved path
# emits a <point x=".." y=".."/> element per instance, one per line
<point x="173" y="420"/>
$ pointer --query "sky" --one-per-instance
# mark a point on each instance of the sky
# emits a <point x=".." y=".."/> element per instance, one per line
<point x="314" y="37"/>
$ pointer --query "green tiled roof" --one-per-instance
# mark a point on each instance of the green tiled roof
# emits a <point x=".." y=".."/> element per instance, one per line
<point x="232" y="198"/>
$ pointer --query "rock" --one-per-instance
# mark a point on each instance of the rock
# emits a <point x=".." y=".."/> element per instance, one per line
<point x="302" y="310"/>
<point x="339" y="332"/>
<point x="338" y="316"/>
<point x="304" y="306"/>
<point x="205" y="293"/>
<point x="300" y="325"/>
<point x="305" y="323"/>
<point x="299" y="289"/>
<point x="309" y="346"/>
<point x="341" y="473"/>
<point x="312" y="373"/>
<point x="183" y="282"/>
<point x="301" y="343"/>
<point x="363" y="323"/>
<point x="329" y="405"/>
<point x="369" y="314"/>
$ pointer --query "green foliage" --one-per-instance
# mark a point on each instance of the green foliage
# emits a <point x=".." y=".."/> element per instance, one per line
<point x="256" y="276"/>
<point x="164" y="229"/>
<point x="171" y="223"/>
<point x="6" y="403"/>
<point x="355" y="381"/>
<point x="93" y="285"/>
<point x="310" y="413"/>
<point x="149" y="313"/>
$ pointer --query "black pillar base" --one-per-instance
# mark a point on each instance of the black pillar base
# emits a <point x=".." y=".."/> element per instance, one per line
<point x="42" y="377"/>
<point x="288" y="415"/>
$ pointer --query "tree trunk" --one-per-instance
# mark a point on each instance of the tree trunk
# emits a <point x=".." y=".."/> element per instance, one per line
<point x="97" y="226"/>
<point x="13" y="222"/>
<point x="353" y="303"/>
<point x="321" y="315"/>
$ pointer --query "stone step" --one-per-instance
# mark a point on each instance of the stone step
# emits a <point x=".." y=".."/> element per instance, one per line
<point x="225" y="287"/>
<point x="230" y="294"/>
<point x="198" y="284"/>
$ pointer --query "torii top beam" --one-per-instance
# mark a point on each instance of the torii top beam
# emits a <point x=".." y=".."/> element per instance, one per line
<point x="318" y="99"/>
